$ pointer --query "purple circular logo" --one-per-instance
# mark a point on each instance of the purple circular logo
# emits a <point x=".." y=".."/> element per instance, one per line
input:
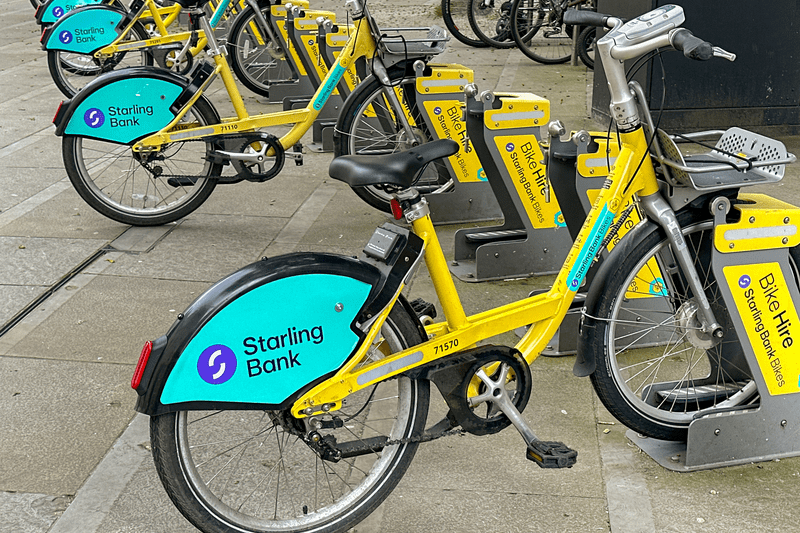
<point x="437" y="110"/>
<point x="94" y="118"/>
<point x="510" y="147"/>
<point x="65" y="37"/>
<point x="574" y="283"/>
<point x="58" y="11"/>
<point x="744" y="281"/>
<point x="217" y="364"/>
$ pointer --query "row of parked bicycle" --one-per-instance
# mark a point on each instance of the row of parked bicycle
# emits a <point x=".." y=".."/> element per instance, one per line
<point x="180" y="147"/>
<point x="536" y="27"/>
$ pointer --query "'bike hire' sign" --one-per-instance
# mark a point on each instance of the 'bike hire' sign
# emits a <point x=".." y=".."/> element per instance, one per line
<point x="765" y="305"/>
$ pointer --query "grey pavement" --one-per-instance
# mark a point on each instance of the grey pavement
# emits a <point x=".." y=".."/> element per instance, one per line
<point x="74" y="457"/>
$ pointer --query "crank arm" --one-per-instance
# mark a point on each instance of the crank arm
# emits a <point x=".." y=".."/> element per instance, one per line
<point x="547" y="454"/>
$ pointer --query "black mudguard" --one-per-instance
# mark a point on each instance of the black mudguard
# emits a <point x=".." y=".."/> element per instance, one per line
<point x="266" y="334"/>
<point x="584" y="362"/>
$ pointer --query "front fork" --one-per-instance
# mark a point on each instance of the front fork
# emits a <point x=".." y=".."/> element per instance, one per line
<point x="379" y="69"/>
<point x="659" y="210"/>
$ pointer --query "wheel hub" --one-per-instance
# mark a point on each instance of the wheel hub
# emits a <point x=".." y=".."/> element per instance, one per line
<point x="691" y="328"/>
<point x="404" y="141"/>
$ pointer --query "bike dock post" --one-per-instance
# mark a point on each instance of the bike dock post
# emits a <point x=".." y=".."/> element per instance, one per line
<point x="302" y="31"/>
<point x="759" y="277"/>
<point x="533" y="239"/>
<point x="440" y="99"/>
<point x="302" y="85"/>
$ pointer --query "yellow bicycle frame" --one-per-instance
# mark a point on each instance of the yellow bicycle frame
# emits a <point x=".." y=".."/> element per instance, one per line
<point x="360" y="44"/>
<point x="632" y="175"/>
<point x="162" y="17"/>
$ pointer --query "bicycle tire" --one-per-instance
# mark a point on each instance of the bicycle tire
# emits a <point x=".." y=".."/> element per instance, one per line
<point x="71" y="71"/>
<point x="367" y="125"/>
<point x="539" y="33"/>
<point x="456" y="20"/>
<point x="655" y="383"/>
<point x="309" y="494"/>
<point x="585" y="44"/>
<point x="257" y="62"/>
<point x="491" y="24"/>
<point x="111" y="179"/>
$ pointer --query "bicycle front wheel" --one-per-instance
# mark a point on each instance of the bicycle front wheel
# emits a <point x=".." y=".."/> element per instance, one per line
<point x="257" y="61"/>
<point x="456" y="19"/>
<point x="539" y="32"/>
<point x="655" y="368"/>
<point x="586" y="42"/>
<point x="370" y="125"/>
<point x="144" y="189"/>
<point x="71" y="71"/>
<point x="491" y="22"/>
<point x="252" y="471"/>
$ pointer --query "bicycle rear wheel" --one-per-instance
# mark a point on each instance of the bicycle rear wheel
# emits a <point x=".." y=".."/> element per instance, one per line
<point x="491" y="22"/>
<point x="71" y="71"/>
<point x="369" y="125"/>
<point x="127" y="186"/>
<point x="456" y="19"/>
<point x="257" y="61"/>
<point x="252" y="471"/>
<point x="538" y="31"/>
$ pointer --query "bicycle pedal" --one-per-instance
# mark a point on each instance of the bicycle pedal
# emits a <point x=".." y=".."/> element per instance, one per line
<point x="551" y="454"/>
<point x="423" y="308"/>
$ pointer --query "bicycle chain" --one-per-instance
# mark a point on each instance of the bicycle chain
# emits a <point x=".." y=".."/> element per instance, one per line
<point x="224" y="137"/>
<point x="427" y="437"/>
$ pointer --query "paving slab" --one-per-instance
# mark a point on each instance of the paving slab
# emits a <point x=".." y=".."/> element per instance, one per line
<point x="202" y="248"/>
<point x="64" y="216"/>
<point x="109" y="320"/>
<point x="30" y="513"/>
<point x="42" y="261"/>
<point x="57" y="420"/>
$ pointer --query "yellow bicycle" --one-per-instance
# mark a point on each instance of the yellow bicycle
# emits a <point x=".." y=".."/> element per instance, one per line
<point x="97" y="39"/>
<point x="145" y="146"/>
<point x="293" y="394"/>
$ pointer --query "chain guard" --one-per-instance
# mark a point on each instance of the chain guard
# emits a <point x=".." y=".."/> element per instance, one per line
<point x="457" y="380"/>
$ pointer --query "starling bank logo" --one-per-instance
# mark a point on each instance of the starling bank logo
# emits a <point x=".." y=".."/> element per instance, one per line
<point x="94" y="118"/>
<point x="217" y="364"/>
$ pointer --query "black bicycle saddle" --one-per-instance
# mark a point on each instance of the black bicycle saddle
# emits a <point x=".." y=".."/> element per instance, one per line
<point x="399" y="169"/>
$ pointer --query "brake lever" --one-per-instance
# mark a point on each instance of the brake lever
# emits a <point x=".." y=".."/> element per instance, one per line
<point x="724" y="54"/>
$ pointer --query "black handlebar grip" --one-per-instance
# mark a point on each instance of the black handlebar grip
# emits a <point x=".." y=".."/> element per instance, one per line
<point x="585" y="17"/>
<point x="691" y="46"/>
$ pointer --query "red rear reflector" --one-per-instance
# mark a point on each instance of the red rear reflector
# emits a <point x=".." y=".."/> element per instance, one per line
<point x="58" y="111"/>
<point x="140" y="366"/>
<point x="44" y="30"/>
<point x="397" y="211"/>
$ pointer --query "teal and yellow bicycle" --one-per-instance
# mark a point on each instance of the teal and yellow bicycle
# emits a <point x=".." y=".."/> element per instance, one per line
<point x="293" y="394"/>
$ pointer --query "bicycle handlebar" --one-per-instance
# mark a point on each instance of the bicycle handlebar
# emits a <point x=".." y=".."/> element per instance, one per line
<point x="585" y="17"/>
<point x="692" y="47"/>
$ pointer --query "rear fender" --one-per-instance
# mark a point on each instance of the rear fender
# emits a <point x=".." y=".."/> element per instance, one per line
<point x="85" y="30"/>
<point x="125" y="106"/>
<point x="265" y="335"/>
<point x="50" y="12"/>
